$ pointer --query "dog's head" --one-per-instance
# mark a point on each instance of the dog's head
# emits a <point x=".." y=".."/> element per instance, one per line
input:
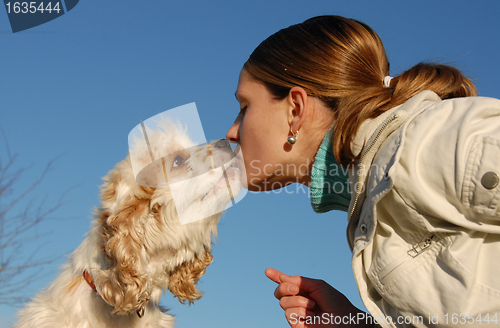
<point x="142" y="237"/>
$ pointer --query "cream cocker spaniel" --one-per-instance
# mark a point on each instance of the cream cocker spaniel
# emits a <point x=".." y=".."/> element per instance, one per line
<point x="137" y="247"/>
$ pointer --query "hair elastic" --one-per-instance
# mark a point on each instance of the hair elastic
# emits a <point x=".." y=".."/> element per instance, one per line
<point x="387" y="81"/>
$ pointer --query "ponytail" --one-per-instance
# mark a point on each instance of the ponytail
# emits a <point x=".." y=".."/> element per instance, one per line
<point x="446" y="81"/>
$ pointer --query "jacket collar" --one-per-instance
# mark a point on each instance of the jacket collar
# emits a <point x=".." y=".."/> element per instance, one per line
<point x="388" y="123"/>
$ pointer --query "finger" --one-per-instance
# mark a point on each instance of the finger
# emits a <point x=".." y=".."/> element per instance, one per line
<point x="296" y="317"/>
<point x="286" y="289"/>
<point x="274" y="275"/>
<point x="307" y="285"/>
<point x="288" y="302"/>
<point x="327" y="298"/>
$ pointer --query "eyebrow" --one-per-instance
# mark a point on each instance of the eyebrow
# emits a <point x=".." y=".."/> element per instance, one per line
<point x="236" y="95"/>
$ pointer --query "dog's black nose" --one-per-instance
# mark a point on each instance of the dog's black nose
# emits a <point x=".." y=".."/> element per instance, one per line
<point x="222" y="143"/>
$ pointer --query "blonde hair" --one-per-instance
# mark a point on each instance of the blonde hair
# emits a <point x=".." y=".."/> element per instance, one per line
<point x="343" y="62"/>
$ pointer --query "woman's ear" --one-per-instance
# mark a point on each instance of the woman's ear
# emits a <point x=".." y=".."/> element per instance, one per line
<point x="298" y="101"/>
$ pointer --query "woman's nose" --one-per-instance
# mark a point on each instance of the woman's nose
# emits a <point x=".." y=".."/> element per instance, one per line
<point x="233" y="134"/>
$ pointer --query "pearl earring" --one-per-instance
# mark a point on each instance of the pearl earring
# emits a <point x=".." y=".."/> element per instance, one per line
<point x="293" y="138"/>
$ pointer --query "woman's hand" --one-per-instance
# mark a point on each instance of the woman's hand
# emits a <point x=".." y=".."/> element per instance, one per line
<point x="311" y="303"/>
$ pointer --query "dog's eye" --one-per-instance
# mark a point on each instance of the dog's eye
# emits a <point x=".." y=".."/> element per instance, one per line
<point x="178" y="161"/>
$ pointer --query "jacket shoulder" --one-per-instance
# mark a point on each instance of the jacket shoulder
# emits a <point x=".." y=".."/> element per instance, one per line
<point x="449" y="155"/>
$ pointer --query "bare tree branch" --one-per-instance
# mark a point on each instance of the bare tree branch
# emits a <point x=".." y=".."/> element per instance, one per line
<point x="19" y="219"/>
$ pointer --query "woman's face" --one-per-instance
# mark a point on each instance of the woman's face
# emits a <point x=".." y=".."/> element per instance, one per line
<point x="261" y="128"/>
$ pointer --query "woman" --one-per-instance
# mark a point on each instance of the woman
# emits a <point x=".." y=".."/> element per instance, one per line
<point x="418" y="175"/>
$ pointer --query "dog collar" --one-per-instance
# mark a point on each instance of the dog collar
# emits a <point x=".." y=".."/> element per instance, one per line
<point x="88" y="278"/>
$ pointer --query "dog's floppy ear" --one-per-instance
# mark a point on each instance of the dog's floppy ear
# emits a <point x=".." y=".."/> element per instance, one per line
<point x="183" y="280"/>
<point x="124" y="285"/>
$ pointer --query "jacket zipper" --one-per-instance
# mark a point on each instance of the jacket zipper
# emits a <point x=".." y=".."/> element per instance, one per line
<point x="358" y="189"/>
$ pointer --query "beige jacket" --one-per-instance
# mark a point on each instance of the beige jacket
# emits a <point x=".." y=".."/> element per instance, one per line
<point x="424" y="226"/>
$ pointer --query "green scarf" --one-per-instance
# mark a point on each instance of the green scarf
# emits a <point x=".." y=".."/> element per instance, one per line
<point x="329" y="189"/>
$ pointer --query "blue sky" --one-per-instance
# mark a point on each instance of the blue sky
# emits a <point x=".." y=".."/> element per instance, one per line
<point x="73" y="88"/>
